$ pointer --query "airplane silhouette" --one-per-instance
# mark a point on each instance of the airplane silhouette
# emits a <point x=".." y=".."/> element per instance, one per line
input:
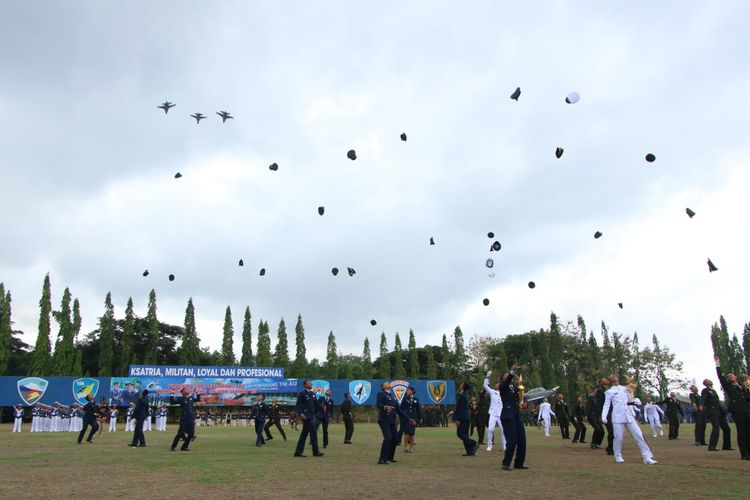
<point x="198" y="117"/>
<point x="166" y="105"/>
<point x="224" y="116"/>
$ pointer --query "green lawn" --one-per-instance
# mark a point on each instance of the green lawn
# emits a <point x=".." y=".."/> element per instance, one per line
<point x="225" y="463"/>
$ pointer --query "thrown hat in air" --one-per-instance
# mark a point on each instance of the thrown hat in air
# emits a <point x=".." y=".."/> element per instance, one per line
<point x="516" y="94"/>
<point x="690" y="213"/>
<point x="489" y="263"/>
<point x="171" y="277"/>
<point x="559" y="152"/>
<point x="177" y="175"/>
<point x="597" y="235"/>
<point x="650" y="158"/>
<point x="352" y="155"/>
<point x="351" y="271"/>
<point x="262" y="271"/>
<point x="403" y="137"/>
<point x="486" y="302"/>
<point x="711" y="266"/>
<point x="373" y="322"/>
<point x="145" y="273"/>
<point x="321" y="210"/>
<point x="335" y="271"/>
<point x="496" y="246"/>
<point x="242" y="263"/>
<point x="273" y="166"/>
<point x="572" y="98"/>
<point x="490" y="235"/>
<point x="532" y="284"/>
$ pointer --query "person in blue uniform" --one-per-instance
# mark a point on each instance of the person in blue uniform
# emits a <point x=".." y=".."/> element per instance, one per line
<point x="515" y="433"/>
<point x="410" y="417"/>
<point x="462" y="419"/>
<point x="139" y="413"/>
<point x="187" y="418"/>
<point x="274" y="418"/>
<point x="346" y="414"/>
<point x="326" y="415"/>
<point x="388" y="409"/>
<point x="307" y="408"/>
<point x="89" y="418"/>
<point x="260" y="414"/>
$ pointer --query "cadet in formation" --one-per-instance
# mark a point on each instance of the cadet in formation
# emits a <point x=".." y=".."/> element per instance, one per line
<point x="696" y="404"/>
<point x="325" y="415"/>
<point x="617" y="398"/>
<point x="260" y="414"/>
<point x="17" y="418"/>
<point x="578" y="421"/>
<point x="410" y="417"/>
<point x="186" y="431"/>
<point x="713" y="412"/>
<point x="348" y="417"/>
<point x="307" y="408"/>
<point x="388" y="409"/>
<point x="274" y="418"/>
<point x="515" y="433"/>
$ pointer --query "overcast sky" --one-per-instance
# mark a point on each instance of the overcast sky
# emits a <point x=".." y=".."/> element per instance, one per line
<point x="87" y="165"/>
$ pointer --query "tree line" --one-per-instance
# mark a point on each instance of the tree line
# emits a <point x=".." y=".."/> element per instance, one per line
<point x="566" y="354"/>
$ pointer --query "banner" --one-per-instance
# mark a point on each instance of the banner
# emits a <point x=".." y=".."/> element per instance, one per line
<point x="28" y="391"/>
<point x="205" y="371"/>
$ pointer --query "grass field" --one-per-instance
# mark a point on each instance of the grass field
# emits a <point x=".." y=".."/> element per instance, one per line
<point x="225" y="463"/>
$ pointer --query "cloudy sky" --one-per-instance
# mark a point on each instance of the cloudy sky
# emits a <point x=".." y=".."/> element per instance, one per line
<point x="88" y="162"/>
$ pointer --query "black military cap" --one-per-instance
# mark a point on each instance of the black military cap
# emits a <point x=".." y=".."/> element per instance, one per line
<point x="619" y="304"/>
<point x="486" y="302"/>
<point x="273" y="166"/>
<point x="489" y="263"/>
<point x="352" y="155"/>
<point x="490" y="235"/>
<point x="373" y="322"/>
<point x="171" y="277"/>
<point x="711" y="266"/>
<point x="335" y="271"/>
<point x="177" y="175"/>
<point x="321" y="210"/>
<point x="242" y="263"/>
<point x="516" y="94"/>
<point x="351" y="271"/>
<point x="496" y="246"/>
<point x="650" y="158"/>
<point x="532" y="284"/>
<point x="403" y="137"/>
<point x="145" y="273"/>
<point x="263" y="271"/>
<point x="559" y="152"/>
<point x="597" y="235"/>
<point x="690" y="213"/>
<point x="432" y="240"/>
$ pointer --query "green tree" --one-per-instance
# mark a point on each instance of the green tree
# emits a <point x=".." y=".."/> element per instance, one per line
<point x="281" y="355"/>
<point x="62" y="359"/>
<point x="547" y="371"/>
<point x="460" y="359"/>
<point x="398" y="359"/>
<point x="190" y="350"/>
<point x="736" y="356"/>
<point x="40" y="357"/>
<point x="247" y="340"/>
<point x="384" y="361"/>
<point x="106" y="337"/>
<point x="745" y="344"/>
<point x="660" y="371"/>
<point x="151" y="356"/>
<point x="264" y="345"/>
<point x="445" y="359"/>
<point x="556" y="355"/>
<point x="6" y="329"/>
<point x="332" y="357"/>
<point x="227" y="342"/>
<point x="413" y="358"/>
<point x="430" y="367"/>
<point x="720" y="341"/>
<point x="366" y="360"/>
<point x="77" y="370"/>
<point x="128" y="339"/>
<point x="300" y="360"/>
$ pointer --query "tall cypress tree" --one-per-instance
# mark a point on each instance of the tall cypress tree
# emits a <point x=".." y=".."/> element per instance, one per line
<point x="247" y="340"/>
<point x="151" y="356"/>
<point x="40" y="357"/>
<point x="556" y="355"/>
<point x="264" y="345"/>
<point x="300" y="360"/>
<point x="745" y="342"/>
<point x="445" y="359"/>
<point x="736" y="357"/>
<point x="366" y="360"/>
<point x="106" y="337"/>
<point x="5" y="329"/>
<point x="128" y="339"/>
<point x="332" y="357"/>
<point x="460" y="358"/>
<point x="190" y="351"/>
<point x="384" y="361"/>
<point x="398" y="359"/>
<point x="62" y="358"/>
<point x="413" y="359"/>
<point x="430" y="368"/>
<point x="77" y="370"/>
<point x="281" y="354"/>
<point x="227" y="342"/>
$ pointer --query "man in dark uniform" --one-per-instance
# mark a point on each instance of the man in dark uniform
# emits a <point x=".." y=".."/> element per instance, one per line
<point x="578" y="413"/>
<point x="139" y="413"/>
<point x="325" y="415"/>
<point x="696" y="405"/>
<point x="462" y="417"/>
<point x="307" y="408"/>
<point x="714" y="413"/>
<point x="89" y="418"/>
<point x="513" y="428"/>
<point x="260" y="413"/>
<point x="563" y="416"/>
<point x="409" y="418"/>
<point x="738" y="400"/>
<point x="674" y="411"/>
<point x="346" y="414"/>
<point x="388" y="408"/>
<point x="474" y="416"/>
<point x="187" y="418"/>
<point x="484" y="415"/>
<point x="274" y="418"/>
<point x="596" y="419"/>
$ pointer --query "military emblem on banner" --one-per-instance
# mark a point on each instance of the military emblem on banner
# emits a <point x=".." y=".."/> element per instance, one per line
<point x="399" y="389"/>
<point x="31" y="389"/>
<point x="319" y="387"/>
<point x="360" y="391"/>
<point x="436" y="390"/>
<point x="83" y="387"/>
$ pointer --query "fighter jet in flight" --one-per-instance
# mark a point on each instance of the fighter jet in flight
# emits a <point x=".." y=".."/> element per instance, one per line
<point x="166" y="105"/>
<point x="224" y="116"/>
<point x="198" y="117"/>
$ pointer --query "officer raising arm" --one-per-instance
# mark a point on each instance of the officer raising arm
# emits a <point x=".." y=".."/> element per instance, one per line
<point x="738" y="399"/>
<point x="187" y="418"/>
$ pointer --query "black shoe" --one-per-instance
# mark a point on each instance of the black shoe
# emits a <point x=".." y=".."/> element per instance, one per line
<point x="505" y="467"/>
<point x="582" y="441"/>
<point x="382" y="462"/>
<point x="79" y="442"/>
<point x="712" y="449"/>
<point x="611" y="453"/>
<point x="574" y="441"/>
<point x="318" y="454"/>
<point x="520" y="467"/>
<point x="300" y="455"/>
<point x="704" y="444"/>
<point x="745" y="458"/>
<point x="184" y="449"/>
<point x="141" y="446"/>
<point x="193" y="438"/>
<point x="132" y="445"/>
<point x="697" y="444"/>
<point x="258" y="445"/>
<point x="727" y="449"/>
<point x="172" y="449"/>
<point x="269" y="438"/>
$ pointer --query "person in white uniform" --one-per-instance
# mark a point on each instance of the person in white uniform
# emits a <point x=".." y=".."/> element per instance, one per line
<point x="17" y="418"/>
<point x="113" y="419"/>
<point x="546" y="414"/>
<point x="496" y="408"/>
<point x="618" y="398"/>
<point x="653" y="416"/>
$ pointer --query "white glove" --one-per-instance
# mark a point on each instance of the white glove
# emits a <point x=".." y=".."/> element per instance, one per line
<point x="604" y="421"/>
<point x="489" y="374"/>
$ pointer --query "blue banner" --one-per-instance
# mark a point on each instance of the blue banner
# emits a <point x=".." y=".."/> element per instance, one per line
<point x="205" y="371"/>
<point x="49" y="390"/>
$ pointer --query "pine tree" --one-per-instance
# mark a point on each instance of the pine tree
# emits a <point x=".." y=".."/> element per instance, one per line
<point x="264" y="345"/>
<point x="128" y="339"/>
<point x="720" y="341"/>
<point x="5" y="329"/>
<point x="445" y="359"/>
<point x="151" y="356"/>
<point x="62" y="359"/>
<point x="300" y="360"/>
<point x="190" y="350"/>
<point x="745" y="343"/>
<point x="332" y="357"/>
<point x="106" y="337"/>
<point x="582" y="327"/>
<point x="247" y="340"/>
<point x="556" y="355"/>
<point x="366" y="360"/>
<point x="77" y="370"/>
<point x="413" y="358"/>
<point x="227" y="342"/>
<point x="398" y="359"/>
<point x="281" y="355"/>
<point x="460" y="359"/>
<point x="40" y="357"/>
<point x="430" y="368"/>
<point x="736" y="356"/>
<point x="384" y="361"/>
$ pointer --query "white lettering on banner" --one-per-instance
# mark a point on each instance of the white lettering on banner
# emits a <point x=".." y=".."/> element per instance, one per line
<point x="205" y="371"/>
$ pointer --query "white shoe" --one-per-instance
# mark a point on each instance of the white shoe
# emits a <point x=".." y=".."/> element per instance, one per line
<point x="489" y="448"/>
<point x="619" y="461"/>
<point x="653" y="436"/>
<point x="661" y="433"/>
<point x="650" y="461"/>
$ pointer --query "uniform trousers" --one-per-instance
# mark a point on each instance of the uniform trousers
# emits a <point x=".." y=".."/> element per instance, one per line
<point x="742" y="422"/>
<point x="635" y="431"/>
<point x="94" y="428"/>
<point x="495" y="422"/>
<point x="17" y="424"/>
<point x="700" y="428"/>
<point x="546" y="421"/>
<point x="349" y="429"/>
<point x="580" y="434"/>
<point x="185" y="432"/>
<point x="271" y="423"/>
<point x="515" y="440"/>
<point x="309" y="428"/>
<point x="390" y="436"/>
<point x="138" y="437"/>
<point x="719" y="421"/>
<point x="674" y="426"/>
<point x="655" y="423"/>
<point x="112" y="424"/>
<point x="463" y="434"/>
